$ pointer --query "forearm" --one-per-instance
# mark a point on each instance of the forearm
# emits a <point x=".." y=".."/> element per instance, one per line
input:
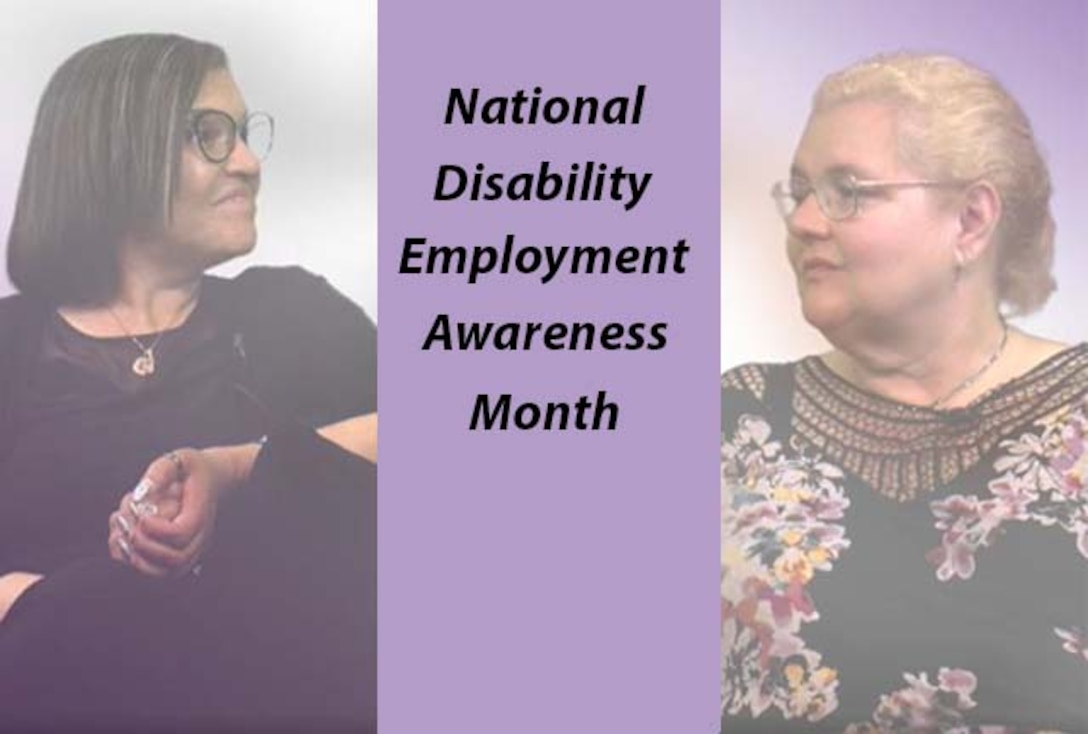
<point x="232" y="464"/>
<point x="358" y="435"/>
<point x="12" y="586"/>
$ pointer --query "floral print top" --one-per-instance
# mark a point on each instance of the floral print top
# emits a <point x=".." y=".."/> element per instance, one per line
<point x="893" y="569"/>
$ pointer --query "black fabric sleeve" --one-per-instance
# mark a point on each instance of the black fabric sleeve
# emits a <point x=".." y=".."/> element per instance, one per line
<point x="311" y="353"/>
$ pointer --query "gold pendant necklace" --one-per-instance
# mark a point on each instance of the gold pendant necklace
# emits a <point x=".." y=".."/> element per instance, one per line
<point x="144" y="364"/>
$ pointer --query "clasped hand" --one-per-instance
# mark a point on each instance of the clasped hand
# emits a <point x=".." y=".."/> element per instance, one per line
<point x="165" y="524"/>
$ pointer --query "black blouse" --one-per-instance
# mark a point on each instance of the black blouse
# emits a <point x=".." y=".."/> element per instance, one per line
<point x="78" y="428"/>
<point x="893" y="568"/>
<point x="278" y="631"/>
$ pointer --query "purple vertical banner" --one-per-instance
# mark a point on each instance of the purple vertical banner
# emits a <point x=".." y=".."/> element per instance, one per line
<point x="533" y="579"/>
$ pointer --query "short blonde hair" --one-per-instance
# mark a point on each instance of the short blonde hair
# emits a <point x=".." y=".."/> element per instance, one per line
<point x="957" y="122"/>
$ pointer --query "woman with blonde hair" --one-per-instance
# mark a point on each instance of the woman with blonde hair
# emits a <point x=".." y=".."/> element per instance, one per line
<point x="904" y="518"/>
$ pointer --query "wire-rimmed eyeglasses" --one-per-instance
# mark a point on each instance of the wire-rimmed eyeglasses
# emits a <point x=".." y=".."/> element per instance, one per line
<point x="838" y="196"/>
<point x="216" y="133"/>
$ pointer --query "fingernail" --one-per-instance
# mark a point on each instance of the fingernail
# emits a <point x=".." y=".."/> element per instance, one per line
<point x="126" y="549"/>
<point x="126" y="526"/>
<point x="142" y="509"/>
<point x="142" y="489"/>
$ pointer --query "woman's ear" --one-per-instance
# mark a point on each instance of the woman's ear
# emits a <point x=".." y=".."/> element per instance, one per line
<point x="980" y="211"/>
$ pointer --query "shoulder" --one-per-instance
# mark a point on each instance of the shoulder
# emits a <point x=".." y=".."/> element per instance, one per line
<point x="290" y="302"/>
<point x="19" y="313"/>
<point x="312" y="350"/>
<point x="1027" y="354"/>
<point x="274" y="283"/>
<point x="750" y="379"/>
<point x="8" y="302"/>
<point x="1055" y="383"/>
<point x="284" y="296"/>
<point x="12" y="307"/>
<point x="9" y="307"/>
<point x="1057" y="393"/>
<point x="758" y="381"/>
<point x="763" y="389"/>
<point x="261" y="275"/>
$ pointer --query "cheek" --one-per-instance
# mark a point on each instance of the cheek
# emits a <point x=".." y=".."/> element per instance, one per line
<point x="186" y="218"/>
<point x="874" y="247"/>
<point x="794" y="248"/>
<point x="895" y="273"/>
<point x="195" y="179"/>
<point x="191" y="201"/>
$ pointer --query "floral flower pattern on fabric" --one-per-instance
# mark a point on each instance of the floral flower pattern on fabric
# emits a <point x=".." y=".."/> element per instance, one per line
<point x="1073" y="641"/>
<point x="1040" y="478"/>
<point x="779" y="527"/>
<point x="926" y="708"/>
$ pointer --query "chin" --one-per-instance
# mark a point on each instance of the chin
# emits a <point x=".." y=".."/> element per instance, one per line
<point x="824" y="313"/>
<point x="227" y="251"/>
<point x="245" y="247"/>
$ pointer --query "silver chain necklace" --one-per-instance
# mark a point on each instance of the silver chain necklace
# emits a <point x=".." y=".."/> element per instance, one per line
<point x="974" y="376"/>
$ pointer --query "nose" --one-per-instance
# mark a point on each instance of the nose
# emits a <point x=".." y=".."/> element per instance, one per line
<point x="242" y="161"/>
<point x="808" y="220"/>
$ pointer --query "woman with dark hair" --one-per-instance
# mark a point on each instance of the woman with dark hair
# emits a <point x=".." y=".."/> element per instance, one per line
<point x="905" y="518"/>
<point x="236" y="410"/>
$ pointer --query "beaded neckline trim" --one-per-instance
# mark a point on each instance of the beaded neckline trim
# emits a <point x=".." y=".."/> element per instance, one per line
<point x="905" y="451"/>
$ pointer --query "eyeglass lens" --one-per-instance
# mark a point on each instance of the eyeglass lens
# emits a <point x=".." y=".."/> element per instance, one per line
<point x="837" y="199"/>
<point x="216" y="132"/>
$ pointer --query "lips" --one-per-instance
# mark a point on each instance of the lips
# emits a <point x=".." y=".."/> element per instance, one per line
<point x="236" y="195"/>
<point x="815" y="265"/>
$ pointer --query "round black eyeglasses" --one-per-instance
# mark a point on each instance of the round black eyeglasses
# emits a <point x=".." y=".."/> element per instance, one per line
<point x="216" y="133"/>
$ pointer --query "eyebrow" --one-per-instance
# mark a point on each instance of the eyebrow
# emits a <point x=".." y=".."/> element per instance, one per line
<point x="838" y="170"/>
<point x="237" y="120"/>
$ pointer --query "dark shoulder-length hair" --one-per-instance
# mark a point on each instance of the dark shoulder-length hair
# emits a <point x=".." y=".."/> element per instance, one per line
<point x="103" y="161"/>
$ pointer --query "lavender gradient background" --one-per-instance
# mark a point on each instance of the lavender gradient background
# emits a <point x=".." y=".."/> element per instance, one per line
<point x="774" y="54"/>
<point x="562" y="582"/>
<point x="311" y="64"/>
